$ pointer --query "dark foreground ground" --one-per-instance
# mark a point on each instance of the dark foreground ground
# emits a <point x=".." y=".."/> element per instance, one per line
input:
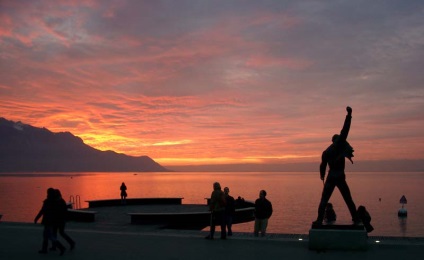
<point x="95" y="242"/>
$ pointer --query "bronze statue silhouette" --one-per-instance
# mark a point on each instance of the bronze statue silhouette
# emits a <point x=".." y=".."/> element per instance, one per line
<point x="335" y="156"/>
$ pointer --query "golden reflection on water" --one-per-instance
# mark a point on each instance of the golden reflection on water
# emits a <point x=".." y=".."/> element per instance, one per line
<point x="295" y="196"/>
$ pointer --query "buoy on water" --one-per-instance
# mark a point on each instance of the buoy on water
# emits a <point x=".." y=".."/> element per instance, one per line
<point x="402" y="211"/>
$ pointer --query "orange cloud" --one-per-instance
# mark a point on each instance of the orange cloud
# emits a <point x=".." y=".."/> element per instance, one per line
<point x="254" y="84"/>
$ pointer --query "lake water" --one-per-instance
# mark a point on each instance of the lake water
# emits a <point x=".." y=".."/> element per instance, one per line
<point x="294" y="195"/>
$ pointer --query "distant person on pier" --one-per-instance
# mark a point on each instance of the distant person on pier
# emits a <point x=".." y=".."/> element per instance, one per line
<point x="334" y="156"/>
<point x="123" y="189"/>
<point x="49" y="211"/>
<point x="230" y="209"/>
<point x="217" y="208"/>
<point x="61" y="220"/>
<point x="263" y="211"/>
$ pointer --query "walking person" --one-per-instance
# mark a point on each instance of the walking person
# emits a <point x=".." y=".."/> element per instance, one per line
<point x="230" y="209"/>
<point x="263" y="211"/>
<point x="217" y="208"/>
<point x="61" y="220"/>
<point x="334" y="156"/>
<point x="123" y="189"/>
<point x="49" y="212"/>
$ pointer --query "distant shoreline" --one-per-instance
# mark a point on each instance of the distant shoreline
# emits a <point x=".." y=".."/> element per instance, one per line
<point x="358" y="166"/>
<point x="81" y="174"/>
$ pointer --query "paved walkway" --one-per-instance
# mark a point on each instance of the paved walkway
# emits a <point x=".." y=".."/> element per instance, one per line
<point x="23" y="240"/>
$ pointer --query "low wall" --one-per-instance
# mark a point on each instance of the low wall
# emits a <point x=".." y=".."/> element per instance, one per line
<point x="187" y="220"/>
<point x="81" y="215"/>
<point x="134" y="201"/>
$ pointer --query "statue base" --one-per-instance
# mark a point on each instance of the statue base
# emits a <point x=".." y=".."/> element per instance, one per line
<point x="338" y="237"/>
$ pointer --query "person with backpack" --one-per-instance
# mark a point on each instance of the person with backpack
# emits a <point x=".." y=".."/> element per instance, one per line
<point x="217" y="209"/>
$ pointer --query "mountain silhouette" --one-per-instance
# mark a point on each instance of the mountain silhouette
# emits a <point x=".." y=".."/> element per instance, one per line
<point x="24" y="148"/>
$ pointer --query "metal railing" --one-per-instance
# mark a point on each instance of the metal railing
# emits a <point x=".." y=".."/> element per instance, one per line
<point x="75" y="201"/>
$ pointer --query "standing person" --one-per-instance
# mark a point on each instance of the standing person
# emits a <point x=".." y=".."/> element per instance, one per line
<point x="61" y="220"/>
<point x="230" y="208"/>
<point x="334" y="156"/>
<point x="217" y="208"/>
<point x="123" y="189"/>
<point x="49" y="212"/>
<point x="263" y="211"/>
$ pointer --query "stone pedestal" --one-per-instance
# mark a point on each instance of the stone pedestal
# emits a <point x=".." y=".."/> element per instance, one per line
<point x="338" y="237"/>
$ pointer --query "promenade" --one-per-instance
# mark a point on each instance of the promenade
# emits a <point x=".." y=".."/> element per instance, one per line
<point x="103" y="241"/>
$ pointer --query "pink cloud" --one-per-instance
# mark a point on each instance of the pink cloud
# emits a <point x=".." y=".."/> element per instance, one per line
<point x="224" y="87"/>
<point x="269" y="61"/>
<point x="278" y="20"/>
<point x="6" y="26"/>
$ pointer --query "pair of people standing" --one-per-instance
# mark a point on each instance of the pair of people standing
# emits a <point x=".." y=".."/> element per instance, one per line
<point x="222" y="208"/>
<point x="54" y="211"/>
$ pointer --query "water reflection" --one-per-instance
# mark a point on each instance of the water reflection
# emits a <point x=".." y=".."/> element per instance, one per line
<point x="295" y="195"/>
<point x="402" y="225"/>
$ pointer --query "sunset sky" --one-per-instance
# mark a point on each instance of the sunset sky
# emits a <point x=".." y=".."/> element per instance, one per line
<point x="219" y="81"/>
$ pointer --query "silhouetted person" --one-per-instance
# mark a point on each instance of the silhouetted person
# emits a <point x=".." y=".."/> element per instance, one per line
<point x="334" y="156"/>
<point x="49" y="212"/>
<point x="239" y="202"/>
<point x="263" y="211"/>
<point x="61" y="220"/>
<point x="217" y="208"/>
<point x="230" y="209"/>
<point x="330" y="214"/>
<point x="123" y="189"/>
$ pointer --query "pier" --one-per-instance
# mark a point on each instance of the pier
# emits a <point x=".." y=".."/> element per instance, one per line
<point x="161" y="212"/>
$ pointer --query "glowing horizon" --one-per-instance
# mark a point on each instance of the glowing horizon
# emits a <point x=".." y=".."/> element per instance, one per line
<point x="214" y="82"/>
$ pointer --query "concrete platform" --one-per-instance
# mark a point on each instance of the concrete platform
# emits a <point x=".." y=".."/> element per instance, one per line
<point x="81" y="215"/>
<point x="23" y="240"/>
<point x="166" y="212"/>
<point x="134" y="201"/>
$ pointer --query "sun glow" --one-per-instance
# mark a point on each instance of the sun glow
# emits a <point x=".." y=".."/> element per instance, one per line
<point x="165" y="143"/>
<point x="202" y="161"/>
